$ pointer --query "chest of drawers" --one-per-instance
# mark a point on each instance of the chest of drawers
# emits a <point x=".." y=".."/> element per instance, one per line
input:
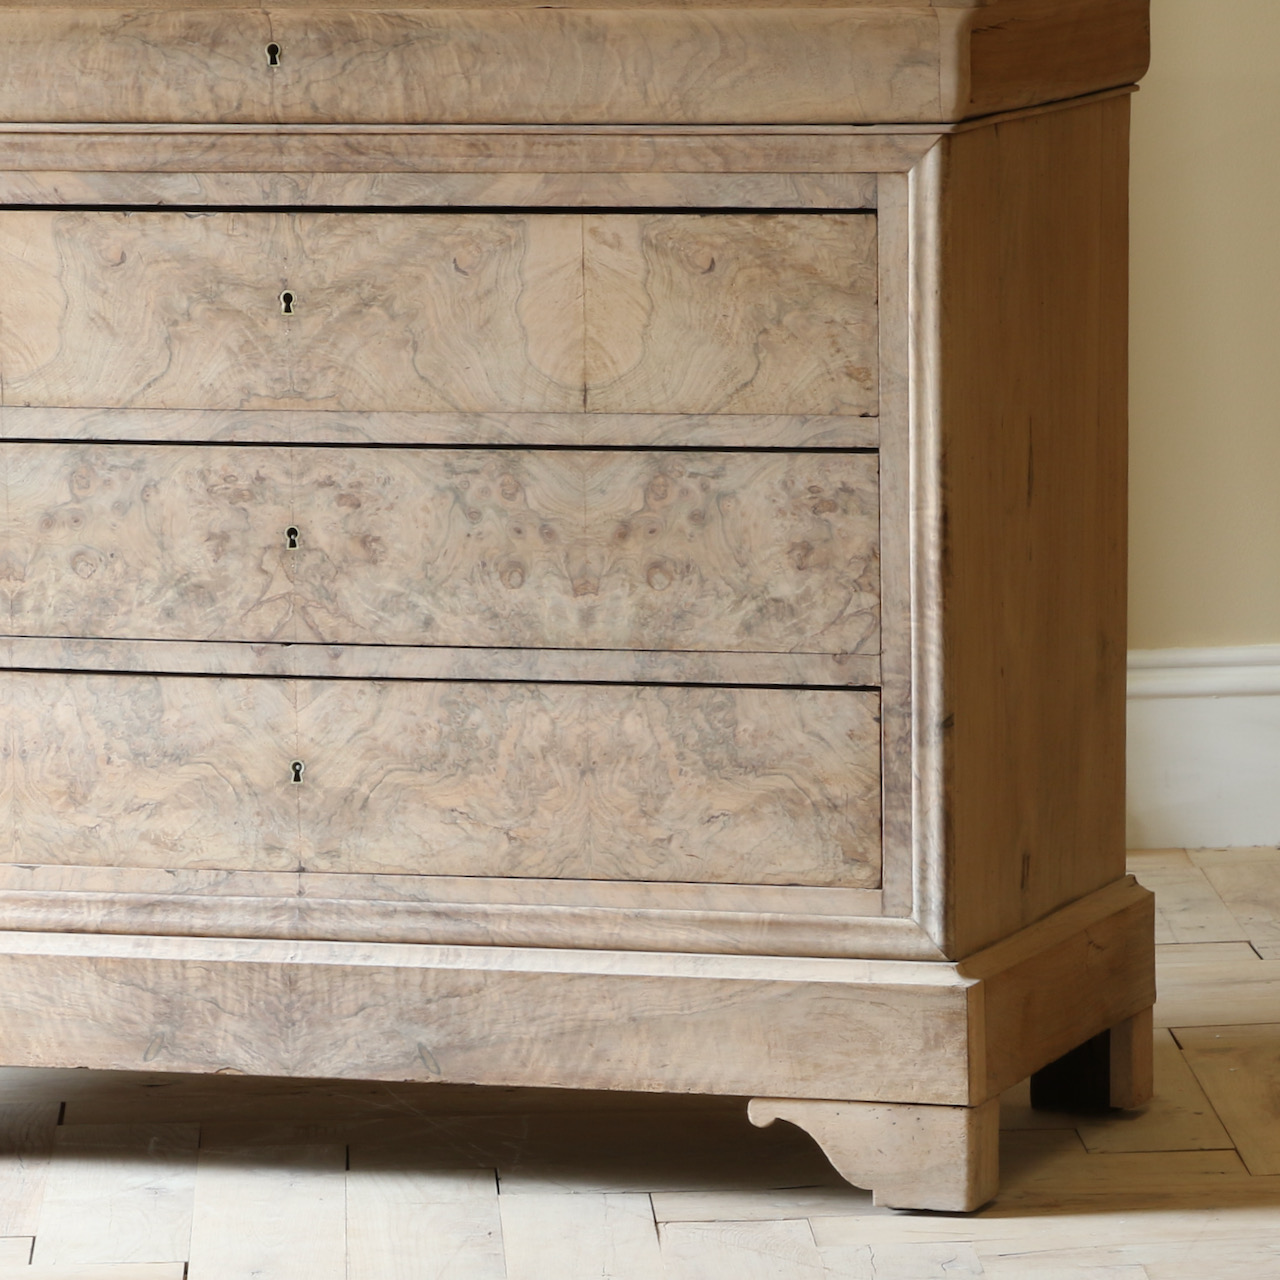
<point x="576" y="548"/>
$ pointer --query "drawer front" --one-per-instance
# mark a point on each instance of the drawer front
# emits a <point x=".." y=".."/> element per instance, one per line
<point x="471" y="63"/>
<point x="441" y="312"/>
<point x="772" y="553"/>
<point x="611" y="782"/>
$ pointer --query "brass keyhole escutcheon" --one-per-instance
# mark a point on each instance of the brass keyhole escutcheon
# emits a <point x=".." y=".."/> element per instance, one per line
<point x="273" y="54"/>
<point x="296" y="769"/>
<point x="287" y="300"/>
<point x="291" y="537"/>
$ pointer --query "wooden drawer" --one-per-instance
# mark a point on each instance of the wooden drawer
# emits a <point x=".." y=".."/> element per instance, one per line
<point x="740" y="313"/>
<point x="509" y="61"/>
<point x="595" y="549"/>
<point x="586" y="782"/>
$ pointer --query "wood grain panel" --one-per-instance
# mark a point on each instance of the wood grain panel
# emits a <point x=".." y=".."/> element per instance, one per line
<point x="473" y="65"/>
<point x="652" y="551"/>
<point x="883" y="1030"/>
<point x="592" y="782"/>
<point x="604" y="550"/>
<point x="723" y="313"/>
<point x="131" y="63"/>
<point x="586" y="782"/>
<point x="122" y="540"/>
<point x="650" y="63"/>
<point x="1036" y="50"/>
<point x="1031" y="333"/>
<point x="161" y="310"/>
<point x="139" y="771"/>
<point x="731" y="313"/>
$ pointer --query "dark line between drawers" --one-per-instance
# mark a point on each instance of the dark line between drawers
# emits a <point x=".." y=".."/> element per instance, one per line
<point x="446" y="446"/>
<point x="693" y="211"/>
<point x="277" y="678"/>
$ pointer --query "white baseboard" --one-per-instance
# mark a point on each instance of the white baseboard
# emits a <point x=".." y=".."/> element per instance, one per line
<point x="1204" y="747"/>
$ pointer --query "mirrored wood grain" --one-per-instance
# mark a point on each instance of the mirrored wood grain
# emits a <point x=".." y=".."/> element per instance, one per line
<point x="465" y="312"/>
<point x="142" y="771"/>
<point x="592" y="782"/>
<point x="601" y="550"/>
<point x="474" y="65"/>
<point x="131" y="63"/>
<point x="137" y="541"/>
<point x="731" y="313"/>
<point x="718" y="313"/>
<point x="595" y="550"/>
<point x="718" y="65"/>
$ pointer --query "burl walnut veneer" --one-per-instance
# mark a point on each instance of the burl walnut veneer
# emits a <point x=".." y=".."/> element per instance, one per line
<point x="576" y="547"/>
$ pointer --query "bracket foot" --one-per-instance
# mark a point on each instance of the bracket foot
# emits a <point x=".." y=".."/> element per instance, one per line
<point x="910" y="1156"/>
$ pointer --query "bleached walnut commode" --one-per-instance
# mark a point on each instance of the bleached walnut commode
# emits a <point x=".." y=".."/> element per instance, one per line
<point x="575" y="547"/>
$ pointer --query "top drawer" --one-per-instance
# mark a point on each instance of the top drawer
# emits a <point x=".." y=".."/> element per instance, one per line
<point x="761" y="313"/>
<point x="522" y="62"/>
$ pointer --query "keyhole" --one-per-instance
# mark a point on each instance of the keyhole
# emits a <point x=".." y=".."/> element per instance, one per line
<point x="286" y="302"/>
<point x="291" y="538"/>
<point x="297" y="766"/>
<point x="273" y="54"/>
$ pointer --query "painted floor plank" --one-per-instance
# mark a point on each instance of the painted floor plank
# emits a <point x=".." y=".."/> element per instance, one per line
<point x="651" y="1152"/>
<point x="780" y="1250"/>
<point x="270" y="1213"/>
<point x="756" y="1205"/>
<point x="1214" y="984"/>
<point x="1066" y="1224"/>
<point x="1039" y="1168"/>
<point x="26" y="1146"/>
<point x="1248" y="882"/>
<point x="1156" y="1259"/>
<point x="52" y="1084"/>
<point x="409" y="1223"/>
<point x="785" y="1250"/>
<point x="1186" y="902"/>
<point x="952" y="1260"/>
<point x="1063" y="1268"/>
<point x="15" y="1251"/>
<point x="107" y="1271"/>
<point x="1179" y="1117"/>
<point x="588" y="1236"/>
<point x="117" y="1193"/>
<point x="1239" y="1068"/>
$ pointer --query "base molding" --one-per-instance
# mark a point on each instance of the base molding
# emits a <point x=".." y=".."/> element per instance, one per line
<point x="914" y="1053"/>
<point x="934" y="1033"/>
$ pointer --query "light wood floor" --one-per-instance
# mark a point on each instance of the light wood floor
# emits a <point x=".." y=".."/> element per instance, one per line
<point x="107" y="1176"/>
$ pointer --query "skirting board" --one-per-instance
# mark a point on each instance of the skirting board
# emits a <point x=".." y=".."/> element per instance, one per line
<point x="1204" y="747"/>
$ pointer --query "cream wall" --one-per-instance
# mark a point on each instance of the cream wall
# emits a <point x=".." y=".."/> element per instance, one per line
<point x="1205" y="531"/>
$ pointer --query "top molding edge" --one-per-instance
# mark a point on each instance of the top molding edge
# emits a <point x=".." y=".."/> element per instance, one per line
<point x="851" y="62"/>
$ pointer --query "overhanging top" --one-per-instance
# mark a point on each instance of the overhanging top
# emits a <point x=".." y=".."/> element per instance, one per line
<point x="827" y="62"/>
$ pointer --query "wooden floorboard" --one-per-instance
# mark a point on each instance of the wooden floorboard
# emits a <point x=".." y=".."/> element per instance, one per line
<point x="135" y="1176"/>
<point x="118" y="1194"/>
